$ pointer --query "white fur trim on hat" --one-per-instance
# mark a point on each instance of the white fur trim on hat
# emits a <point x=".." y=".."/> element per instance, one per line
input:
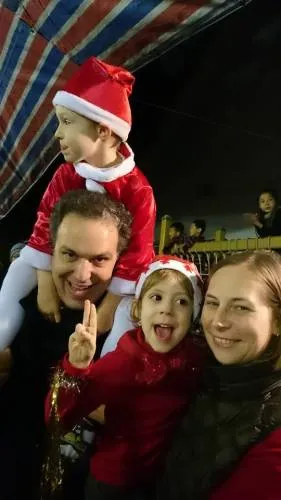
<point x="185" y="267"/>
<point x="93" y="112"/>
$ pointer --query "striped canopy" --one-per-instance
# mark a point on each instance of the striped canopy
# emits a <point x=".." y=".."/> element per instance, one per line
<point x="43" y="41"/>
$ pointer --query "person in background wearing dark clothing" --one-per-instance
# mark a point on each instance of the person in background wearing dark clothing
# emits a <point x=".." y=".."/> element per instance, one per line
<point x="176" y="239"/>
<point x="196" y="234"/>
<point x="267" y="221"/>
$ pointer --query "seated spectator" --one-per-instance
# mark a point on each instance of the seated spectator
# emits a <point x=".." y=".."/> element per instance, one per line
<point x="176" y="239"/>
<point x="196" y="234"/>
<point x="267" y="219"/>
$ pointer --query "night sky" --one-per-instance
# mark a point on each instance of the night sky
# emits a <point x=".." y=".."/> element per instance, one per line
<point x="207" y="121"/>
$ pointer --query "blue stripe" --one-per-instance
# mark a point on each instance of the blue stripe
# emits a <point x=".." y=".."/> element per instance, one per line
<point x="14" y="51"/>
<point x="12" y="4"/>
<point x="61" y="14"/>
<point x="114" y="30"/>
<point x="31" y="159"/>
<point x="35" y="91"/>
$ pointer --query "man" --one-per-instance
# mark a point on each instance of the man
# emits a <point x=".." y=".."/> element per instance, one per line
<point x="176" y="239"/>
<point x="89" y="232"/>
<point x="196" y="234"/>
<point x="197" y="230"/>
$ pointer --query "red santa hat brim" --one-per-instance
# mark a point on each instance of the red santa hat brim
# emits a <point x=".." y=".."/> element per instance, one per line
<point x="95" y="113"/>
<point x="183" y="266"/>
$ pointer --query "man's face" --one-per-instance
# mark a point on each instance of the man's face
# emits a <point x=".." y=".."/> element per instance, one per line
<point x="173" y="233"/>
<point x="84" y="257"/>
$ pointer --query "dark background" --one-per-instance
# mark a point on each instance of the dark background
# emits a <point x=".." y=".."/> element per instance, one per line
<point x="207" y="121"/>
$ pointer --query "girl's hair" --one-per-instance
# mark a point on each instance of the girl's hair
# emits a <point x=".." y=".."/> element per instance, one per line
<point x="273" y="193"/>
<point x="266" y="266"/>
<point x="155" y="278"/>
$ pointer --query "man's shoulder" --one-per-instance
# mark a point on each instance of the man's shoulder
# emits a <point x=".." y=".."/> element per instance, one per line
<point x="29" y="303"/>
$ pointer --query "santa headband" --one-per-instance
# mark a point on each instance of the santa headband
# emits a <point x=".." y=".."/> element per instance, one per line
<point x="100" y="92"/>
<point x="183" y="266"/>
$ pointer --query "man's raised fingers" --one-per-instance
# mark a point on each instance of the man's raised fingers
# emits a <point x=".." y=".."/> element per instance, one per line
<point x="87" y="311"/>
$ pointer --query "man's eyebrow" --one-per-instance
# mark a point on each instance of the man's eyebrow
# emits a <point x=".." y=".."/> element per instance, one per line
<point x="105" y="254"/>
<point x="68" y="249"/>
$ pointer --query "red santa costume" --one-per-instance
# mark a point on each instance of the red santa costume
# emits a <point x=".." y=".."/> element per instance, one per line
<point x="100" y="92"/>
<point x="144" y="392"/>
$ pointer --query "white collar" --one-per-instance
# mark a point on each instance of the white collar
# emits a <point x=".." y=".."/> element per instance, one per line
<point x="107" y="174"/>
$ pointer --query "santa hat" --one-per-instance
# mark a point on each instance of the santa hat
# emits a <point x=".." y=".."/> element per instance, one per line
<point x="183" y="266"/>
<point x="100" y="92"/>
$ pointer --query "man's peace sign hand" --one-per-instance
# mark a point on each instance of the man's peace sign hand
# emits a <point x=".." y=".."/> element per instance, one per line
<point x="82" y="343"/>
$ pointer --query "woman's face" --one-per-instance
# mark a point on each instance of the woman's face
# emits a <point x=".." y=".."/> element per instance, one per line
<point x="236" y="318"/>
<point x="267" y="203"/>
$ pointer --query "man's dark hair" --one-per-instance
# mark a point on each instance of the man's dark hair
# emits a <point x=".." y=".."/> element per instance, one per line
<point x="200" y="224"/>
<point x="178" y="226"/>
<point x="92" y="205"/>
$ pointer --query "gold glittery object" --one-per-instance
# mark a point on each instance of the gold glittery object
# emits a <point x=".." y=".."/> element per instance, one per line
<point x="52" y="469"/>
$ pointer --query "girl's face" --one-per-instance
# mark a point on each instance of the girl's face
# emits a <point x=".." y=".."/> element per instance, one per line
<point x="166" y="314"/>
<point x="237" y="320"/>
<point x="267" y="203"/>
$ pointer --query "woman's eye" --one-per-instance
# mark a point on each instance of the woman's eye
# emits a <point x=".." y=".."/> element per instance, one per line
<point x="210" y="303"/>
<point x="242" y="308"/>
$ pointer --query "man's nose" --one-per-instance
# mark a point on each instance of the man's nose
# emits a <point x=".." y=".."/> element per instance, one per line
<point x="83" y="270"/>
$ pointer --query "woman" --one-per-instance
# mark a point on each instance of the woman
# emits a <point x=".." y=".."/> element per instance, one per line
<point x="229" y="444"/>
<point x="267" y="221"/>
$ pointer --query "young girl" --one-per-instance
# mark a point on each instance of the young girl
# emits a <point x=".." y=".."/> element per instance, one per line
<point x="267" y="221"/>
<point x="145" y="384"/>
<point x="94" y="120"/>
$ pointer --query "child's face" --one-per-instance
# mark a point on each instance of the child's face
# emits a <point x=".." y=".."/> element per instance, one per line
<point x="77" y="135"/>
<point x="166" y="314"/>
<point x="266" y="203"/>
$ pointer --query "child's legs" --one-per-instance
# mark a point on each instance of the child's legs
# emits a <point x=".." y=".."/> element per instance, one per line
<point x="20" y="279"/>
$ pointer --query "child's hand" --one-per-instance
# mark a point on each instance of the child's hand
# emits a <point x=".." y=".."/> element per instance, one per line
<point x="252" y="219"/>
<point x="82" y="343"/>
<point x="47" y="298"/>
<point x="106" y="312"/>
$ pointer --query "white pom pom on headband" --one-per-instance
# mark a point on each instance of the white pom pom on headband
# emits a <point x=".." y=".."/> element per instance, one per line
<point x="183" y="266"/>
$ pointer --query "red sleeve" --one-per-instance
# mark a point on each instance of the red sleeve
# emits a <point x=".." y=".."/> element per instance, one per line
<point x="258" y="475"/>
<point x="104" y="382"/>
<point x="138" y="198"/>
<point x="64" y="179"/>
